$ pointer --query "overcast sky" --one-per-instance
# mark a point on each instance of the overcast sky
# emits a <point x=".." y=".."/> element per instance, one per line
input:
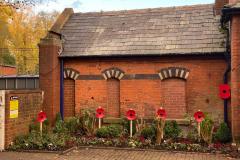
<point x="108" y="5"/>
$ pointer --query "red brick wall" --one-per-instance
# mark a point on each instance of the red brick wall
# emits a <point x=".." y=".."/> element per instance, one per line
<point x="30" y="103"/>
<point x="8" y="70"/>
<point x="113" y="98"/>
<point x="69" y="98"/>
<point x="145" y="95"/>
<point x="235" y="75"/>
<point x="49" y="77"/>
<point x="219" y="4"/>
<point x="174" y="97"/>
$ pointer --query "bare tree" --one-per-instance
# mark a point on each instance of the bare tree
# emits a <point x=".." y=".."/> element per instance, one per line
<point x="22" y="3"/>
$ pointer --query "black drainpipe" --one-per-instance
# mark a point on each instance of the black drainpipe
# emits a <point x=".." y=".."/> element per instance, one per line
<point x="227" y="56"/>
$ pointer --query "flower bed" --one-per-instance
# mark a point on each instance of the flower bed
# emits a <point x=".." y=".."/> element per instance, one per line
<point x="82" y="131"/>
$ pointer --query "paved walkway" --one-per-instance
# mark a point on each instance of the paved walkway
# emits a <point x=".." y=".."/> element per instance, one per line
<point x="109" y="154"/>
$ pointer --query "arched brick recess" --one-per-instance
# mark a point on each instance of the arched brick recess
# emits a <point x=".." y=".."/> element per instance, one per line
<point x="113" y="73"/>
<point x="173" y="72"/>
<point x="174" y="97"/>
<point x="70" y="75"/>
<point x="113" y="97"/>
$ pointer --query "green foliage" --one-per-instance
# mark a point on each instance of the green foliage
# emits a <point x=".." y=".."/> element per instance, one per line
<point x="48" y="141"/>
<point x="223" y="133"/>
<point x="35" y="126"/>
<point x="7" y="59"/>
<point x="207" y="129"/>
<point x="73" y="124"/>
<point x="126" y="126"/>
<point x="60" y="126"/>
<point x="109" y="131"/>
<point x="149" y="132"/>
<point x="171" y="129"/>
<point x="88" y="120"/>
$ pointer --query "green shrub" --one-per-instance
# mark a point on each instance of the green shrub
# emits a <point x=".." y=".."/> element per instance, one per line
<point x="126" y="125"/>
<point x="87" y="121"/>
<point x="109" y="131"/>
<point x="73" y="124"/>
<point x="207" y="129"/>
<point x="60" y="126"/>
<point x="149" y="133"/>
<point x="223" y="133"/>
<point x="48" y="141"/>
<point x="171" y="129"/>
<point x="35" y="126"/>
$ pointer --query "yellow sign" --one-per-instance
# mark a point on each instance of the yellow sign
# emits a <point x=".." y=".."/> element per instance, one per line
<point x="14" y="107"/>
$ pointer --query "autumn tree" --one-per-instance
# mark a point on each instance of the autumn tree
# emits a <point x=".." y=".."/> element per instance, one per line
<point x="20" y="32"/>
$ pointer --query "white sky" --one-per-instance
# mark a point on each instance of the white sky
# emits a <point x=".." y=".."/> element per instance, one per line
<point x="107" y="5"/>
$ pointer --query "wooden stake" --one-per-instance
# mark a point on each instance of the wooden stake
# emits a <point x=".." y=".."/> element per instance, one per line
<point x="99" y="122"/>
<point x="41" y="126"/>
<point x="131" y="128"/>
<point x="199" y="131"/>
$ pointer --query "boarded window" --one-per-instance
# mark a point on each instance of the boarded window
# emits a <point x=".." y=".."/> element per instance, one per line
<point x="69" y="97"/>
<point x="113" y="97"/>
<point x="174" y="98"/>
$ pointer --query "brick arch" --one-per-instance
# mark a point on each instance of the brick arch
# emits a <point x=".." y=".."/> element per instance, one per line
<point x="113" y="73"/>
<point x="173" y="72"/>
<point x="71" y="73"/>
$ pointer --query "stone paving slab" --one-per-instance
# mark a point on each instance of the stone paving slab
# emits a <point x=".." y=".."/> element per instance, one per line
<point x="111" y="154"/>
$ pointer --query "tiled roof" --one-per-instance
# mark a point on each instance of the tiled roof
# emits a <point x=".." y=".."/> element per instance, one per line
<point x="159" y="31"/>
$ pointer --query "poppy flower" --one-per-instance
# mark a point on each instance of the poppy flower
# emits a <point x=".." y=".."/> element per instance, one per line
<point x="224" y="91"/>
<point x="131" y="114"/>
<point x="199" y="116"/>
<point x="100" y="112"/>
<point x="41" y="116"/>
<point x="161" y="113"/>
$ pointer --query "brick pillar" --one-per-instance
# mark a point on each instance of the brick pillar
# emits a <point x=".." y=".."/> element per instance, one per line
<point x="219" y="4"/>
<point x="49" y="75"/>
<point x="235" y="76"/>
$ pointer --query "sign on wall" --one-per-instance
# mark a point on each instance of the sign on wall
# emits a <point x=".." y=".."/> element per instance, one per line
<point x="14" y="107"/>
<point x="2" y="119"/>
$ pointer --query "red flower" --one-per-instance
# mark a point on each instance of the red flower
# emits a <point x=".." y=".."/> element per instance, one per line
<point x="161" y="113"/>
<point x="199" y="116"/>
<point x="100" y="112"/>
<point x="131" y="114"/>
<point x="41" y="116"/>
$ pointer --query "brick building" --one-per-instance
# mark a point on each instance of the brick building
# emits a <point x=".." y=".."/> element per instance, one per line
<point x="172" y="57"/>
<point x="7" y="70"/>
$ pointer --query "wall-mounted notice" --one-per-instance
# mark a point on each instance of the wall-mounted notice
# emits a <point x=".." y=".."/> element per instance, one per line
<point x="14" y="107"/>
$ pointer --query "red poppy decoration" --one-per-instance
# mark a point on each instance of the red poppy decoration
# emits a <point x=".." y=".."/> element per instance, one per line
<point x="161" y="113"/>
<point x="131" y="114"/>
<point x="224" y="91"/>
<point x="199" y="116"/>
<point x="99" y="112"/>
<point x="41" y="116"/>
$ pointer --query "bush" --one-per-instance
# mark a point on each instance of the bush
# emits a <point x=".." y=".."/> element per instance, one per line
<point x="60" y="126"/>
<point x="171" y="129"/>
<point x="223" y="133"/>
<point x="87" y="121"/>
<point x="34" y="140"/>
<point x="108" y="131"/>
<point x="35" y="126"/>
<point x="73" y="124"/>
<point x="207" y="129"/>
<point x="126" y="125"/>
<point x="149" y="133"/>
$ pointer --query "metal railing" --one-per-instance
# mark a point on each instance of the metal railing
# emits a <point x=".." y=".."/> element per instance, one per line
<point x="19" y="82"/>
